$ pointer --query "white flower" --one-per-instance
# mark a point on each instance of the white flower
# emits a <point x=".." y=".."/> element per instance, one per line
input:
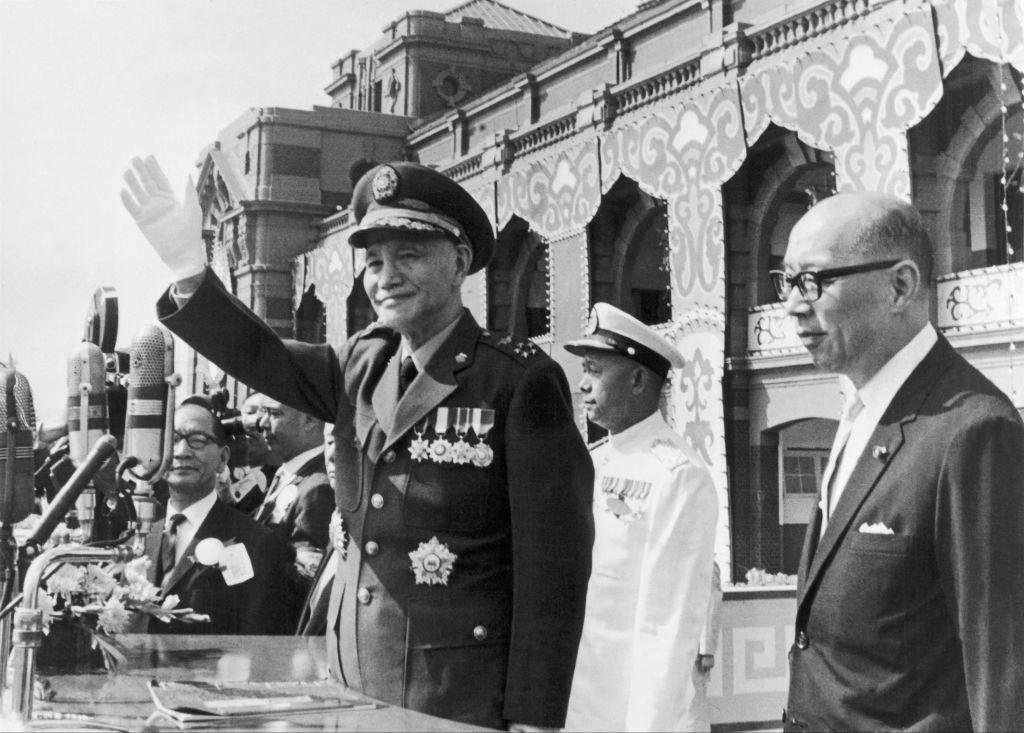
<point x="137" y="570"/>
<point x="98" y="582"/>
<point x="68" y="579"/>
<point x="141" y="592"/>
<point x="113" y="618"/>
<point x="47" y="604"/>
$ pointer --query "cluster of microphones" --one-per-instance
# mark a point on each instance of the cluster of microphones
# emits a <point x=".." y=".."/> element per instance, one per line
<point x="80" y="475"/>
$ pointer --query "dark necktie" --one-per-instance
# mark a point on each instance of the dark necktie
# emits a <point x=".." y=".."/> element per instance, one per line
<point x="406" y="374"/>
<point x="168" y="546"/>
<point x="263" y="512"/>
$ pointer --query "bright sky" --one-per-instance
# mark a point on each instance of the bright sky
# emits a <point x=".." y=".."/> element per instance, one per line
<point x="87" y="84"/>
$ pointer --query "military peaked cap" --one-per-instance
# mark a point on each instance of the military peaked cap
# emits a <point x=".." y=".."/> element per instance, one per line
<point x="610" y="329"/>
<point x="406" y="196"/>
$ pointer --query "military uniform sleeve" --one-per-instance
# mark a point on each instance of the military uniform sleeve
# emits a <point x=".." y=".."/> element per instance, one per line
<point x="713" y="620"/>
<point x="672" y="601"/>
<point x="550" y="485"/>
<point x="980" y="541"/>
<point x="218" y="326"/>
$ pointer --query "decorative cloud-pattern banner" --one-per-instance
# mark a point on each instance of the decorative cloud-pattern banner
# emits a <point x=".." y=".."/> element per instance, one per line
<point x="330" y="269"/>
<point x="855" y="92"/>
<point x="683" y="155"/>
<point x="556" y="194"/>
<point x="986" y="29"/>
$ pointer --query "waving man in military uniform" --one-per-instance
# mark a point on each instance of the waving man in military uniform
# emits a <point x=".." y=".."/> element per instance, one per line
<point x="654" y="512"/>
<point x="463" y="529"/>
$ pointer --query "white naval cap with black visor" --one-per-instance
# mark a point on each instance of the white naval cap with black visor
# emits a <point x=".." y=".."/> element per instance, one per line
<point x="610" y="329"/>
<point x="412" y="198"/>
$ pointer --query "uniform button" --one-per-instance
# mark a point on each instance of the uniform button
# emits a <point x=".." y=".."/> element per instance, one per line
<point x="363" y="596"/>
<point x="802" y="642"/>
<point x="480" y="632"/>
<point x="371" y="548"/>
<point x="377" y="501"/>
<point x="389" y="457"/>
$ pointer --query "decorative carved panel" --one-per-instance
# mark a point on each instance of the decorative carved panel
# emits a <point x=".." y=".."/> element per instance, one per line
<point x="683" y="155"/>
<point x="330" y="268"/>
<point x="987" y="29"/>
<point x="853" y="91"/>
<point x="555" y="194"/>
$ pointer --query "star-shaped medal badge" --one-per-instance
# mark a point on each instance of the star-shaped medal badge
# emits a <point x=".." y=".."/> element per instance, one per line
<point x="432" y="562"/>
<point x="419" y="448"/>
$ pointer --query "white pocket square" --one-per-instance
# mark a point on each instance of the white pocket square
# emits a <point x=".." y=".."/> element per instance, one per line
<point x="876" y="528"/>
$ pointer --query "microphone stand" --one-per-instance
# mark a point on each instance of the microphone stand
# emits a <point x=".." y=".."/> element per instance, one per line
<point x="9" y="580"/>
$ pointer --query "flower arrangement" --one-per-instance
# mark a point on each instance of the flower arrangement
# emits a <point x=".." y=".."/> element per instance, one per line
<point x="102" y="598"/>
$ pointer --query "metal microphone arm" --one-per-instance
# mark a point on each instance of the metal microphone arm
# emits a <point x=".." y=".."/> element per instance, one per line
<point x="70" y="492"/>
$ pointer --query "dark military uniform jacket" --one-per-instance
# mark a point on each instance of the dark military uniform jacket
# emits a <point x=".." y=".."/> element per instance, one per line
<point x="465" y="525"/>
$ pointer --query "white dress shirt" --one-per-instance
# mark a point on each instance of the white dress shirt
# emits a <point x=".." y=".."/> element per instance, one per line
<point x="876" y="395"/>
<point x="195" y="515"/>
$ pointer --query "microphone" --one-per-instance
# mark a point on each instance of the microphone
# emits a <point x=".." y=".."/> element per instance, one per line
<point x="68" y="495"/>
<point x="149" y="424"/>
<point x="17" y="465"/>
<point x="87" y="399"/>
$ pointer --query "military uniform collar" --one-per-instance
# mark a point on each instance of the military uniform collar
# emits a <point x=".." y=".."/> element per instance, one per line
<point x="421" y="356"/>
<point x="638" y="434"/>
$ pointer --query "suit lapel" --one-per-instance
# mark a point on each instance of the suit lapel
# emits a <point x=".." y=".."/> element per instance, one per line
<point x="385" y="395"/>
<point x="152" y="548"/>
<point x="188" y="558"/>
<point x="890" y="432"/>
<point x="434" y="383"/>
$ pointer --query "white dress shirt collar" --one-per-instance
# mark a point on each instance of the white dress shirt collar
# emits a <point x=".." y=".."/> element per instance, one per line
<point x="195" y="514"/>
<point x="291" y="467"/>
<point x="876" y="396"/>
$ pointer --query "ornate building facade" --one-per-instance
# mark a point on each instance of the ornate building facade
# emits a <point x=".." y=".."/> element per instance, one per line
<point x="659" y="164"/>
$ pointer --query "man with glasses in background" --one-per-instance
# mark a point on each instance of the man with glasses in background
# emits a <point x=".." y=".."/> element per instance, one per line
<point x="909" y="584"/>
<point x="241" y="588"/>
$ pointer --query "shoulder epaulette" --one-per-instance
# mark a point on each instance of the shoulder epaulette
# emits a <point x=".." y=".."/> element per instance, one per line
<point x="376" y="328"/>
<point x="670" y="455"/>
<point x="597" y="443"/>
<point x="521" y="349"/>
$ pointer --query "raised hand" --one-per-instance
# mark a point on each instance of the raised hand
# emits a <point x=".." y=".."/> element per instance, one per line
<point x="173" y="230"/>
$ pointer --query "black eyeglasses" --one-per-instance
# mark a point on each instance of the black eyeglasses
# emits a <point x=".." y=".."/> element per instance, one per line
<point x="196" y="440"/>
<point x="809" y="282"/>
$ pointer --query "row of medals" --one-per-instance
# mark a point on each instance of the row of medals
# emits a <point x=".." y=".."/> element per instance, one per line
<point x="465" y="422"/>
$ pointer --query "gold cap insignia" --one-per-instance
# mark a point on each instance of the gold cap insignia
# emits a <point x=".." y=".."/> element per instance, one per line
<point x="385" y="184"/>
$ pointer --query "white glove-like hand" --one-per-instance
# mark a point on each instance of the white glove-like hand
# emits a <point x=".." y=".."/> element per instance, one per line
<point x="174" y="230"/>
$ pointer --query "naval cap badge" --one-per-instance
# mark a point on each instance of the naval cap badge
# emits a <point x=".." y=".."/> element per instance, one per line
<point x="385" y="184"/>
<point x="432" y="562"/>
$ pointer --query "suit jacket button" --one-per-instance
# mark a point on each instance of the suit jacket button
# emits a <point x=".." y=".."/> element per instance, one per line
<point x="480" y="632"/>
<point x="371" y="548"/>
<point x="376" y="501"/>
<point x="802" y="642"/>
<point x="389" y="456"/>
<point x="363" y="596"/>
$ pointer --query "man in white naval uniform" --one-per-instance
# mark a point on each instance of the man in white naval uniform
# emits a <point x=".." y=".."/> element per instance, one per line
<point x="655" y="511"/>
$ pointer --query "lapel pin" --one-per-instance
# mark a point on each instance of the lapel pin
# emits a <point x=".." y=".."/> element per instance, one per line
<point x="880" y="452"/>
<point x="460" y="358"/>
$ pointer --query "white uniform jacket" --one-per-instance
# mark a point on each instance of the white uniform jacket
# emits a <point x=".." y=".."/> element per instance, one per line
<point x="655" y="512"/>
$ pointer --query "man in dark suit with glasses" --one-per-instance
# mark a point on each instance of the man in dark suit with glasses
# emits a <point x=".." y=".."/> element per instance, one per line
<point x="909" y="586"/>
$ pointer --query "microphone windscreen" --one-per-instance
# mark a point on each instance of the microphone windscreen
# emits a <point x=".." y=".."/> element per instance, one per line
<point x="17" y="461"/>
